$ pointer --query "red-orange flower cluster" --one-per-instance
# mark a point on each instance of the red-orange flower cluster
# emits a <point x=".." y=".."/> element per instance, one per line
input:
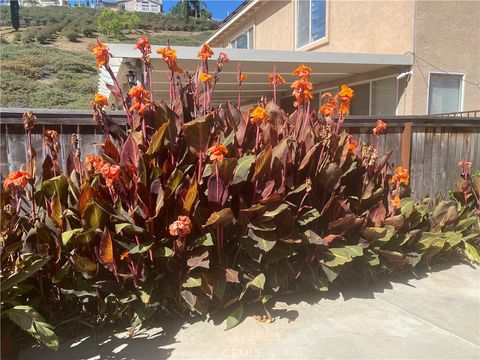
<point x="170" y="57"/>
<point x="181" y="228"/>
<point x="258" y="115"/>
<point x="352" y="144"/>
<point x="379" y="128"/>
<point x="217" y="151"/>
<point x="16" y="179"/>
<point x="94" y="162"/>
<point x="140" y="99"/>
<point x="110" y="173"/>
<point x="465" y="164"/>
<point x="345" y="95"/>
<point x="205" y="52"/>
<point x="100" y="100"/>
<point x="401" y="176"/>
<point x="101" y="52"/>
<point x="275" y="79"/>
<point x="302" y="87"/>
<point x="204" y="77"/>
<point x="396" y="202"/>
<point x="144" y="46"/>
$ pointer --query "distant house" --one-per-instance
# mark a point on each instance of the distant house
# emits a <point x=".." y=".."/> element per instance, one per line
<point x="442" y="36"/>
<point x="53" y="2"/>
<point x="153" y="6"/>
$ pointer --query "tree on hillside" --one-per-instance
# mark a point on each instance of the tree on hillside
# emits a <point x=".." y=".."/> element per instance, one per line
<point x="191" y="8"/>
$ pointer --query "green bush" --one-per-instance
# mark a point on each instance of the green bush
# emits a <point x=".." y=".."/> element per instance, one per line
<point x="196" y="210"/>
<point x="71" y="34"/>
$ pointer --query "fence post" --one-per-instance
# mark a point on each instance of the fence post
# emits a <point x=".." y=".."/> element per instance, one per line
<point x="407" y="145"/>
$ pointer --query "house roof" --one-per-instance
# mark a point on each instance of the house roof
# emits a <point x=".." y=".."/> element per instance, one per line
<point x="236" y="14"/>
<point x="257" y="64"/>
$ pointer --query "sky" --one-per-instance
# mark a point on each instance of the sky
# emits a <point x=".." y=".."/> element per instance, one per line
<point x="219" y="8"/>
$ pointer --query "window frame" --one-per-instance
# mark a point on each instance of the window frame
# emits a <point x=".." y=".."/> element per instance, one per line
<point x="363" y="82"/>
<point x="245" y="31"/>
<point x="316" y="43"/>
<point x="462" y="88"/>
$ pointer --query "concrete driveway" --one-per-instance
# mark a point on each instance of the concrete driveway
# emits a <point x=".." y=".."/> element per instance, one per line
<point x="434" y="317"/>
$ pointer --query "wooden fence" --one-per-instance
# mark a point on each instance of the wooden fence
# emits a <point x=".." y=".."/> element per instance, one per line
<point x="431" y="146"/>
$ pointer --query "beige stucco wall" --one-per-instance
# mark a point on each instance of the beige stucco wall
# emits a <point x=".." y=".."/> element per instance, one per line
<point x="447" y="35"/>
<point x="377" y="27"/>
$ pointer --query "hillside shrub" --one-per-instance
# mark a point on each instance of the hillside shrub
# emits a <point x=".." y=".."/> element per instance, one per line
<point x="200" y="208"/>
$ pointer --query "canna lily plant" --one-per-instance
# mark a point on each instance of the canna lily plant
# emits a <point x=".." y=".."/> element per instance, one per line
<point x="199" y="208"/>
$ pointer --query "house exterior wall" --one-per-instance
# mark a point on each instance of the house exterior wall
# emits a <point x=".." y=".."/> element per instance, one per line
<point x="444" y="33"/>
<point x="447" y="35"/>
<point x="136" y="6"/>
<point x="352" y="26"/>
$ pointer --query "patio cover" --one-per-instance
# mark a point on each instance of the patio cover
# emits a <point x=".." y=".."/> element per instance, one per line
<point x="257" y="64"/>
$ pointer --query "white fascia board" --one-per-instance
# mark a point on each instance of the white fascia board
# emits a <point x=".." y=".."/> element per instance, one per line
<point x="274" y="56"/>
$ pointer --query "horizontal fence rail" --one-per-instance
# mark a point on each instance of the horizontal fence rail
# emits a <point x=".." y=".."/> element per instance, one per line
<point x="430" y="146"/>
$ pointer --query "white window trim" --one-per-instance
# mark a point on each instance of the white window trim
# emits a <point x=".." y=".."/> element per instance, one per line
<point x="369" y="81"/>
<point x="462" y="87"/>
<point x="244" y="30"/>
<point x="316" y="43"/>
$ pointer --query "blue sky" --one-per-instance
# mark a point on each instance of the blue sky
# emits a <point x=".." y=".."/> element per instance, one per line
<point x="219" y="8"/>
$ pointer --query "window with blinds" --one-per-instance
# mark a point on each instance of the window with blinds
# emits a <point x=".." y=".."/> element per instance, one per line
<point x="244" y="40"/>
<point x="445" y="93"/>
<point x="311" y="21"/>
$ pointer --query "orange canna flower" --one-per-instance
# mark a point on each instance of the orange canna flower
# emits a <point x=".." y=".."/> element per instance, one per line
<point x="205" y="52"/>
<point x="275" y="79"/>
<point x="204" y="77"/>
<point x="396" y="202"/>
<point x="302" y="71"/>
<point x="50" y="136"/>
<point x="110" y="173"/>
<point x="401" y="176"/>
<point x="243" y="77"/>
<point x="168" y="55"/>
<point x="345" y="91"/>
<point x="144" y="46"/>
<point x="16" y="179"/>
<point x="100" y="100"/>
<point x="379" y="128"/>
<point x="181" y="228"/>
<point x="95" y="162"/>
<point x="140" y="99"/>
<point x="352" y="144"/>
<point x="301" y="91"/>
<point x="258" y="115"/>
<point x="101" y="52"/>
<point x="124" y="255"/>
<point x="465" y="164"/>
<point x="217" y="151"/>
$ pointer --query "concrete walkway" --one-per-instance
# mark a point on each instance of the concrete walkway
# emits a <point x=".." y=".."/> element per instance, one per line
<point x="435" y="317"/>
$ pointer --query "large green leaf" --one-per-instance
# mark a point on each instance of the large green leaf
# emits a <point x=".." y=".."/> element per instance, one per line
<point x="29" y="268"/>
<point x="221" y="218"/>
<point x="128" y="228"/>
<point x="340" y="256"/>
<point x="173" y="181"/>
<point x="258" y="281"/>
<point x="197" y="133"/>
<point x="32" y="322"/>
<point x="58" y="184"/>
<point x="235" y="317"/>
<point x="406" y="207"/>
<point x="262" y="163"/>
<point x="94" y="215"/>
<point x="157" y="140"/>
<point x="471" y="253"/>
<point x="265" y="240"/>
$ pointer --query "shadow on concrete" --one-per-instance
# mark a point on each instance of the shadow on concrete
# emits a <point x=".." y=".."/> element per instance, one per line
<point x="157" y="342"/>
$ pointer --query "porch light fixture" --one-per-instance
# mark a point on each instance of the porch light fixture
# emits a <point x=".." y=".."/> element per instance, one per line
<point x="131" y="77"/>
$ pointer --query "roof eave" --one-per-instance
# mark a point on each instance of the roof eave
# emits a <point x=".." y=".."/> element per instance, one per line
<point x="233" y="20"/>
